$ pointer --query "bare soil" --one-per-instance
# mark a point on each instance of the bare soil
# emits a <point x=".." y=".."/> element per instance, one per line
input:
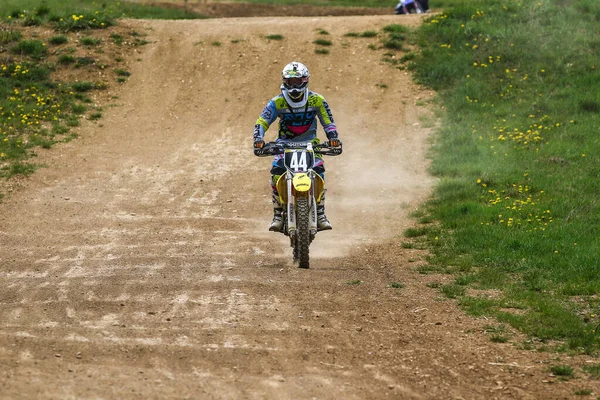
<point x="138" y="264"/>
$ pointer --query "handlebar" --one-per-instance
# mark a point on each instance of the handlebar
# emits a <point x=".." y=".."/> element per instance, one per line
<point x="275" y="148"/>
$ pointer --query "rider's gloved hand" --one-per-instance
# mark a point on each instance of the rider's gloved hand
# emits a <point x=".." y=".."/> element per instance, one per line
<point x="335" y="142"/>
<point x="333" y="139"/>
<point x="259" y="144"/>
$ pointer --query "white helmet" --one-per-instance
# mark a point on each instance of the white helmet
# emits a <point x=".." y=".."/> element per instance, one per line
<point x="294" y="86"/>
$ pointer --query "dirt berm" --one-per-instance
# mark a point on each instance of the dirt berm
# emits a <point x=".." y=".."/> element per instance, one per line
<point x="138" y="264"/>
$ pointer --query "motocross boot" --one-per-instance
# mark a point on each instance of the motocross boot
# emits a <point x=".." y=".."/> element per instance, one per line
<point x="277" y="224"/>
<point x="323" y="223"/>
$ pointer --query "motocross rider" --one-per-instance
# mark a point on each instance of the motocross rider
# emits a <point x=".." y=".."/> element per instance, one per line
<point x="297" y="109"/>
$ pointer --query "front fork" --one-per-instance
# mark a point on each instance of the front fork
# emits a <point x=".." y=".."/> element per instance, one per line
<point x="291" y="201"/>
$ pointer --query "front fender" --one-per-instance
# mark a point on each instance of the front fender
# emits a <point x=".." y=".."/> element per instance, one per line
<point x="301" y="182"/>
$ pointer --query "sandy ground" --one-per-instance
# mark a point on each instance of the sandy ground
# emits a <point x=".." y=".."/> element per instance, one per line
<point x="139" y="265"/>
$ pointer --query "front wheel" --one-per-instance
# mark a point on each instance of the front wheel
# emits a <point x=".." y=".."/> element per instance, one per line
<point x="302" y="242"/>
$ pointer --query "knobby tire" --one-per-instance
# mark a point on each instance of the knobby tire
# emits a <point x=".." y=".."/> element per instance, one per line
<point x="302" y="232"/>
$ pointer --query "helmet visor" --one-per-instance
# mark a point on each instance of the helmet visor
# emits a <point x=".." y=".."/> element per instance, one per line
<point x="295" y="82"/>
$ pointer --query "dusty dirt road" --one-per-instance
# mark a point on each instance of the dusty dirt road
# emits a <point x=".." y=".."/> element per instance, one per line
<point x="139" y="264"/>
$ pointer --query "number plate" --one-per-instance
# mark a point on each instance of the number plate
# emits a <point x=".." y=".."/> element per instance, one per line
<point x="299" y="160"/>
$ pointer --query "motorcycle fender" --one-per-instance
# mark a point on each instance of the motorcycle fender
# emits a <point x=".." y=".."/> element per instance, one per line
<point x="301" y="182"/>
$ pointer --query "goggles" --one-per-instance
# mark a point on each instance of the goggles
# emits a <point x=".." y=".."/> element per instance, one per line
<point x="295" y="83"/>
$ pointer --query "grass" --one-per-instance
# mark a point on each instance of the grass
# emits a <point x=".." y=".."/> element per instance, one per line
<point x="368" y="34"/>
<point x="321" y="51"/>
<point x="35" y="110"/>
<point x="39" y="12"/>
<point x="95" y="116"/>
<point x="323" y="42"/>
<point x="583" y="392"/>
<point x="593" y="370"/>
<point x="275" y="37"/>
<point x="122" y="72"/>
<point x="348" y="3"/>
<point x="517" y="160"/>
<point x="35" y="49"/>
<point x="365" y="34"/>
<point x="58" y="40"/>
<point x="90" y="41"/>
<point x="562" y="370"/>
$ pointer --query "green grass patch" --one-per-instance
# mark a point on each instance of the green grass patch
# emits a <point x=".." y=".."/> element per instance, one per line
<point x="95" y="116"/>
<point x="416" y="232"/>
<point x="9" y="36"/>
<point x="323" y="42"/>
<point x="78" y="108"/>
<point x="117" y="38"/>
<point x="90" y="41"/>
<point x="593" y="370"/>
<point x="369" y="34"/>
<point x="79" y="15"/>
<point x="58" y="40"/>
<point x="66" y="59"/>
<point x="499" y="339"/>
<point x="516" y="157"/>
<point x="84" y="86"/>
<point x="83" y="61"/>
<point x="33" y="48"/>
<point x="562" y="370"/>
<point x="321" y="51"/>
<point x="275" y="37"/>
<point x="122" y="72"/>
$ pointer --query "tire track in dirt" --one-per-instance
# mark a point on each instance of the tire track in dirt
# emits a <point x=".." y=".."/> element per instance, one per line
<point x="139" y="265"/>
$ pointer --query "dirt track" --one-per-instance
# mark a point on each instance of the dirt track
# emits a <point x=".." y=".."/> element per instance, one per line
<point x="139" y="265"/>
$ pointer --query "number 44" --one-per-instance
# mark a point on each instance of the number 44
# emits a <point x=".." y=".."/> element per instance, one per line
<point x="298" y="161"/>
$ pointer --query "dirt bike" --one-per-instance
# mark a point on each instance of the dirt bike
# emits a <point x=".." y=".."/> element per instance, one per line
<point x="300" y="190"/>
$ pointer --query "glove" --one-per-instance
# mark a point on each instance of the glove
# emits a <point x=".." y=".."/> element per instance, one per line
<point x="333" y="139"/>
<point x="259" y="144"/>
<point x="335" y="142"/>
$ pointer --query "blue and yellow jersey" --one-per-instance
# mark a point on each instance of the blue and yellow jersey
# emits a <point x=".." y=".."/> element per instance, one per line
<point x="296" y="124"/>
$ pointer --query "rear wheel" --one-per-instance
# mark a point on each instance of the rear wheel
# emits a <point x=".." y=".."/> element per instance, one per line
<point x="302" y="243"/>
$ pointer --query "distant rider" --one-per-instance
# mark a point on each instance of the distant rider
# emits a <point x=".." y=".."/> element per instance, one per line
<point x="297" y="109"/>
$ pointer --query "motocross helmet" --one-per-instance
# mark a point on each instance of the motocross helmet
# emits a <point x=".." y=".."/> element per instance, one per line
<point x="294" y="84"/>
